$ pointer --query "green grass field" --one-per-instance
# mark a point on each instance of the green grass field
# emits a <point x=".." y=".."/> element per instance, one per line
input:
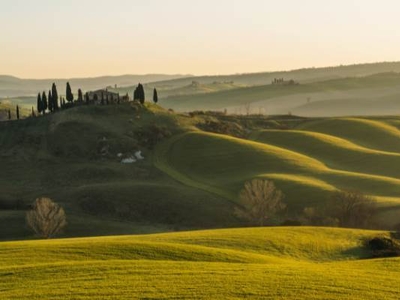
<point x="264" y="263"/>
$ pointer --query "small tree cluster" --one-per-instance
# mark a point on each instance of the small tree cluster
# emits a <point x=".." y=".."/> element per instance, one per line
<point x="47" y="102"/>
<point x="350" y="209"/>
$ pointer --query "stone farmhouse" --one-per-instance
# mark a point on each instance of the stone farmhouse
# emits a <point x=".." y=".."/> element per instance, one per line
<point x="104" y="96"/>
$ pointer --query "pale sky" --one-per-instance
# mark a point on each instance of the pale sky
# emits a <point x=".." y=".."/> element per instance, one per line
<point x="80" y="38"/>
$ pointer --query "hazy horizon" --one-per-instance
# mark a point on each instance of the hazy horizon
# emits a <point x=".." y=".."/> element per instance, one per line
<point x="93" y="38"/>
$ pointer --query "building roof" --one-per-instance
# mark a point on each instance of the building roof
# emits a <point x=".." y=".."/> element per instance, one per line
<point x="105" y="91"/>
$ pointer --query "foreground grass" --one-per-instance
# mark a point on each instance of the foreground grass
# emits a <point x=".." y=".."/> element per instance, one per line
<point x="268" y="263"/>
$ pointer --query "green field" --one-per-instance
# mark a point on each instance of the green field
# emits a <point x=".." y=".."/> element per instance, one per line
<point x="264" y="263"/>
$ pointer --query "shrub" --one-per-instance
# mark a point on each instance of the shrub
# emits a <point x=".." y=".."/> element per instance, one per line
<point x="151" y="135"/>
<point x="383" y="247"/>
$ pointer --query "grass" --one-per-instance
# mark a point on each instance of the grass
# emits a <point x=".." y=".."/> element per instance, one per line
<point x="268" y="263"/>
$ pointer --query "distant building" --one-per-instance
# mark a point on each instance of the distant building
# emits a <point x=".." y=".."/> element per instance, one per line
<point x="104" y="96"/>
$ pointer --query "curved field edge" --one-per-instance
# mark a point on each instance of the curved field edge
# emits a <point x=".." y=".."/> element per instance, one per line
<point x="373" y="134"/>
<point x="221" y="164"/>
<point x="162" y="162"/>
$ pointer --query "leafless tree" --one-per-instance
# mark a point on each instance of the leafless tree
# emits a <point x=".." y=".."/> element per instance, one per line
<point x="247" y="107"/>
<point x="260" y="201"/>
<point x="352" y="209"/>
<point x="46" y="218"/>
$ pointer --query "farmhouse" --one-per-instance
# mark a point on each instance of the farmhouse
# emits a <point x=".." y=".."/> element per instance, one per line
<point x="104" y="96"/>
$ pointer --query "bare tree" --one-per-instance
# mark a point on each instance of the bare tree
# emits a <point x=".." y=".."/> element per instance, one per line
<point x="247" y="107"/>
<point x="46" y="218"/>
<point x="260" y="201"/>
<point x="352" y="209"/>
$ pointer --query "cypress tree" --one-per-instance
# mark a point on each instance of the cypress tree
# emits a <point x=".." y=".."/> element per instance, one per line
<point x="17" y="112"/>
<point x="80" y="96"/>
<point x="69" y="95"/>
<point x="33" y="112"/>
<point x="54" y="93"/>
<point x="9" y="114"/>
<point x="44" y="103"/>
<point x="50" y="102"/>
<point x="155" y="96"/>
<point x="39" y="105"/>
<point x="141" y="93"/>
<point x="63" y="102"/>
<point x="102" y="98"/>
<point x="87" y="98"/>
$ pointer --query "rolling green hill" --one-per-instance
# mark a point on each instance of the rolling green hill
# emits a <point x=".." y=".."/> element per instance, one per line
<point x="275" y="263"/>
<point x="60" y="156"/>
<point x="190" y="178"/>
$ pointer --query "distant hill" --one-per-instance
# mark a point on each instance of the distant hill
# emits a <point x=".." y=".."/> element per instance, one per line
<point x="12" y="86"/>
<point x="377" y="94"/>
<point x="306" y="75"/>
<point x="193" y="88"/>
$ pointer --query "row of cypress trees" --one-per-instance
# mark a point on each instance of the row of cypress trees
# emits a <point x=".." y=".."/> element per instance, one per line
<point x="52" y="102"/>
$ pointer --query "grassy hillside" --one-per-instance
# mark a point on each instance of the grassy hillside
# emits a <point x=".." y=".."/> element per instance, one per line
<point x="190" y="178"/>
<point x="307" y="165"/>
<point x="371" y="95"/>
<point x="276" y="263"/>
<point x="61" y="156"/>
<point x="5" y="105"/>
